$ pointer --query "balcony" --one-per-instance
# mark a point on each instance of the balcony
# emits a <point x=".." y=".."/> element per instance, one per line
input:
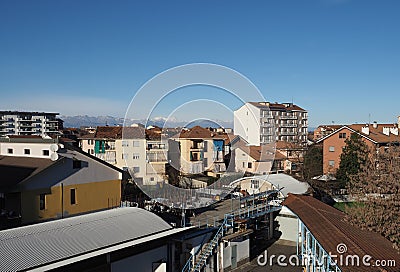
<point x="288" y="125"/>
<point x="25" y="125"/>
<point x="156" y="157"/>
<point x="287" y="133"/>
<point x="288" y="117"/>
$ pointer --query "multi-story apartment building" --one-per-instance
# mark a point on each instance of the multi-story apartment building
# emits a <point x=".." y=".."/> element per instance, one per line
<point x="42" y="179"/>
<point x="374" y="135"/>
<point x="29" y="123"/>
<point x="263" y="122"/>
<point x="129" y="148"/>
<point x="198" y="150"/>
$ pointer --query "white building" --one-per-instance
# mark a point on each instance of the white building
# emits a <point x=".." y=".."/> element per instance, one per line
<point x="263" y="122"/>
<point x="28" y="123"/>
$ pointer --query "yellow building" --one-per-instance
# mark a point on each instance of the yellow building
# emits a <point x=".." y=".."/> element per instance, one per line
<point x="69" y="182"/>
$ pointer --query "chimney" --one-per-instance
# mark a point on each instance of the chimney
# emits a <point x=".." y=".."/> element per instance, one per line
<point x="375" y="125"/>
<point x="365" y="130"/>
<point x="398" y="121"/>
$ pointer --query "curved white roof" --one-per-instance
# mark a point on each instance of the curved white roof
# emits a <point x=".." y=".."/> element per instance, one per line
<point x="43" y="243"/>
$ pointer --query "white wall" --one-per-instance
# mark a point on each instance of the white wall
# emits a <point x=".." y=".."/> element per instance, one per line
<point x="36" y="149"/>
<point x="243" y="252"/>
<point x="246" y="123"/>
<point x="288" y="224"/>
<point x="142" y="262"/>
<point x="130" y="150"/>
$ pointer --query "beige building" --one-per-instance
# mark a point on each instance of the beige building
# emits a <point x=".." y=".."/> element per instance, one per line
<point x="253" y="159"/>
<point x="197" y="150"/>
<point x="64" y="181"/>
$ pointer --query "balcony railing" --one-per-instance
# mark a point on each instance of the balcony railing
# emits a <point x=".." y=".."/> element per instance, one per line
<point x="287" y="117"/>
<point x="288" y="125"/>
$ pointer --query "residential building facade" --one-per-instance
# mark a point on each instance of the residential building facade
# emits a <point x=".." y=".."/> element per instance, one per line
<point x="29" y="123"/>
<point x="198" y="150"/>
<point x="53" y="181"/>
<point x="374" y="135"/>
<point x="263" y="122"/>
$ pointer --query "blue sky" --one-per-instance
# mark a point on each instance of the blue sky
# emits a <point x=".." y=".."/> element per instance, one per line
<point x="339" y="59"/>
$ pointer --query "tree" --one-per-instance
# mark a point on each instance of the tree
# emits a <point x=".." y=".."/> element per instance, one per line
<point x="354" y="156"/>
<point x="313" y="162"/>
<point x="376" y="190"/>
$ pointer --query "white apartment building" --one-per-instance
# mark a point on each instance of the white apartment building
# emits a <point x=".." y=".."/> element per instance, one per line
<point x="28" y="123"/>
<point x="263" y="122"/>
<point x="31" y="147"/>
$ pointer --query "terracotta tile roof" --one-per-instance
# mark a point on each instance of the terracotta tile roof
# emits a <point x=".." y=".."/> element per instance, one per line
<point x="375" y="135"/>
<point x="154" y="134"/>
<point x="196" y="132"/>
<point x="287" y="145"/>
<point x="108" y="132"/>
<point x="16" y="169"/>
<point x="329" y="228"/>
<point x="258" y="153"/>
<point x="277" y="106"/>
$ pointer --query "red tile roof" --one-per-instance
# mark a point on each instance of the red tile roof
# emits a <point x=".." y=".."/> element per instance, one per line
<point x="258" y="153"/>
<point x="328" y="226"/>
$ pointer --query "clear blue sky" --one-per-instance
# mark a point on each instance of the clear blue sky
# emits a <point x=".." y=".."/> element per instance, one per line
<point x="339" y="59"/>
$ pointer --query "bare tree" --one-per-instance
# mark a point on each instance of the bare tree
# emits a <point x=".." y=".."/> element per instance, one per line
<point x="376" y="190"/>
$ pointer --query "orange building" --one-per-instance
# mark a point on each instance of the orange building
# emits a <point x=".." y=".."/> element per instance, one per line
<point x="374" y="135"/>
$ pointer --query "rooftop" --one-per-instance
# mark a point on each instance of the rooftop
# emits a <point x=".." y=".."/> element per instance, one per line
<point x="17" y="169"/>
<point x="53" y="241"/>
<point x="277" y="106"/>
<point x="328" y="226"/>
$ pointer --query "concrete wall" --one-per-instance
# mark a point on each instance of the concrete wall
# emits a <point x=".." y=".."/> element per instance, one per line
<point x="36" y="149"/>
<point x="288" y="225"/>
<point x="130" y="150"/>
<point x="142" y="262"/>
<point x="243" y="252"/>
<point x="89" y="197"/>
<point x="97" y="187"/>
<point x="246" y="123"/>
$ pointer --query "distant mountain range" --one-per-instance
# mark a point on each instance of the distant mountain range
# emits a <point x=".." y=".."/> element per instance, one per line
<point x="94" y="121"/>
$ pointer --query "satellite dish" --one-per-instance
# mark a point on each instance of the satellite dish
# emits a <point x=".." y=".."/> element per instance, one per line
<point x="54" y="147"/>
<point x="54" y="156"/>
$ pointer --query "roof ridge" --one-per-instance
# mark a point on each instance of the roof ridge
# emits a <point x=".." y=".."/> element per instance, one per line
<point x="332" y="224"/>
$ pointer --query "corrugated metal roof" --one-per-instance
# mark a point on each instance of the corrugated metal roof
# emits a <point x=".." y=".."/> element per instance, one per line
<point x="36" y="245"/>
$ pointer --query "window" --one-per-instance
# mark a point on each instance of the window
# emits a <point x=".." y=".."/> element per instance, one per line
<point x="342" y="135"/>
<point x="73" y="196"/>
<point x="76" y="164"/>
<point x="332" y="163"/>
<point x="124" y="156"/>
<point x="331" y="149"/>
<point x="124" y="143"/>
<point x="136" y="143"/>
<point x="254" y="183"/>
<point x="27" y="151"/>
<point x="135" y="156"/>
<point x="46" y="152"/>
<point x="10" y="151"/>
<point x="136" y="169"/>
<point x="152" y="179"/>
<point x="244" y="164"/>
<point x="42" y="202"/>
<point x="249" y="165"/>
